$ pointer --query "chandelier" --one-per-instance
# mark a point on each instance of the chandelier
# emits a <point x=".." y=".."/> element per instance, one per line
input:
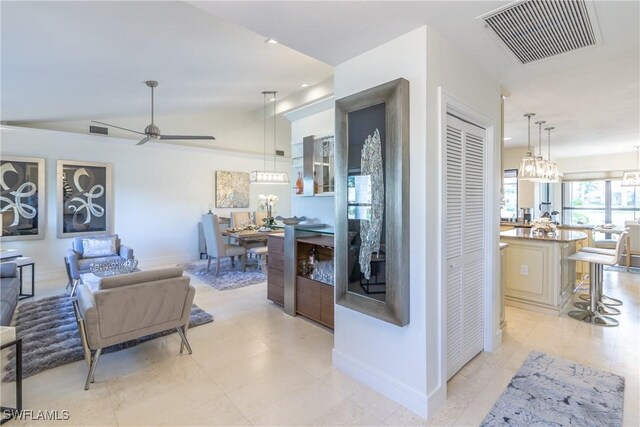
<point x="269" y="176"/>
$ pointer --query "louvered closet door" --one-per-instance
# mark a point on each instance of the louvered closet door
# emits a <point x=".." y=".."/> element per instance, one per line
<point x="464" y="241"/>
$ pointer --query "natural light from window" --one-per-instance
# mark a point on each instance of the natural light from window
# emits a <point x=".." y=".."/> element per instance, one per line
<point x="599" y="202"/>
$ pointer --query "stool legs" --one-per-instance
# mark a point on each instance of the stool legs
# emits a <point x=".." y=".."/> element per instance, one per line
<point x="590" y="314"/>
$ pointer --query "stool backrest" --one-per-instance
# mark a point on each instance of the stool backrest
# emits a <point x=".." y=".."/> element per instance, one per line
<point x="621" y="243"/>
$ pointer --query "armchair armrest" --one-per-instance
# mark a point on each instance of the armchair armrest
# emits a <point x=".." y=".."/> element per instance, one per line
<point x="8" y="269"/>
<point x="89" y="313"/>
<point x="72" y="259"/>
<point x="126" y="252"/>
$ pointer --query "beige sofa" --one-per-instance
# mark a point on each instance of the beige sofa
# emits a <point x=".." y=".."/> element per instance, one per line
<point x="120" y="308"/>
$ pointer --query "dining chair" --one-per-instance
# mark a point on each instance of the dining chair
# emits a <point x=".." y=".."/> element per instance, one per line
<point x="240" y="219"/>
<point x="216" y="247"/>
<point x="260" y="216"/>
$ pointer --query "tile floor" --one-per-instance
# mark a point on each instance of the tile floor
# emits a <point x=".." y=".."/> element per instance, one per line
<point x="255" y="365"/>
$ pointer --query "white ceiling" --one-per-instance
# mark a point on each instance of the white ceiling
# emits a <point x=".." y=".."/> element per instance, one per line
<point x="83" y="60"/>
<point x="591" y="96"/>
<point x="89" y="60"/>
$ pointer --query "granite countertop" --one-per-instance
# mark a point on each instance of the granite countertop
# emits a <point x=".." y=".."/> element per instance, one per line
<point x="576" y="226"/>
<point x="515" y="224"/>
<point x="560" y="236"/>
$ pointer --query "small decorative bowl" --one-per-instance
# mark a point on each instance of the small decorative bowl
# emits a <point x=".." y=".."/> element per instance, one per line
<point x="291" y="221"/>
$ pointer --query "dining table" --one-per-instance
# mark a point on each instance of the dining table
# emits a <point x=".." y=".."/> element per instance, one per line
<point x="245" y="236"/>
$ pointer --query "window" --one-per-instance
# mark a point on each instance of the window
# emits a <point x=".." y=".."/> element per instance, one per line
<point x="509" y="208"/>
<point x="599" y="202"/>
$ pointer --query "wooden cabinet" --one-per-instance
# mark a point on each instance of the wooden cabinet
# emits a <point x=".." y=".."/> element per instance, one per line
<point x="275" y="280"/>
<point x="314" y="299"/>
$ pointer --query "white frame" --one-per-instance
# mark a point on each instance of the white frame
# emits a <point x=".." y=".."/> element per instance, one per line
<point x="491" y="315"/>
<point x="108" y="195"/>
<point x="42" y="191"/>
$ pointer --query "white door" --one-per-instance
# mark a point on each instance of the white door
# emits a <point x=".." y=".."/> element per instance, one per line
<point x="464" y="241"/>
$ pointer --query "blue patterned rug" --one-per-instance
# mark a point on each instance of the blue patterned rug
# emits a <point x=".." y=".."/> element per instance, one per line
<point x="549" y="391"/>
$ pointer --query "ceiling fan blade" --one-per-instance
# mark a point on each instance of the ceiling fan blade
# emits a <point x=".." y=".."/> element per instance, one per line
<point x="185" y="137"/>
<point x="117" y="127"/>
<point x="144" y="140"/>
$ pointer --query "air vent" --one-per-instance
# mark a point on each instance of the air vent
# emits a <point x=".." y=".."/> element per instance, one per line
<point x="538" y="29"/>
<point x="98" y="129"/>
<point x="280" y="153"/>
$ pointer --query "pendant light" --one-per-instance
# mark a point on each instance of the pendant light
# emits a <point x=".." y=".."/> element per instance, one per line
<point x="632" y="178"/>
<point x="541" y="163"/>
<point x="269" y="176"/>
<point x="528" y="162"/>
<point x="553" y="174"/>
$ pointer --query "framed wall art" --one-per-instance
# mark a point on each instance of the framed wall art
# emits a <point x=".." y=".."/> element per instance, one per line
<point x="232" y="189"/>
<point x="372" y="202"/>
<point x="22" y="198"/>
<point x="84" y="198"/>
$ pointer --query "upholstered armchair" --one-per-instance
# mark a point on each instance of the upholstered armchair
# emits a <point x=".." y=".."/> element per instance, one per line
<point x="216" y="247"/>
<point x="121" y="308"/>
<point x="95" y="249"/>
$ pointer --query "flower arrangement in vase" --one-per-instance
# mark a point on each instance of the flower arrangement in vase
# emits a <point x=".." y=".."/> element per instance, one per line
<point x="268" y="203"/>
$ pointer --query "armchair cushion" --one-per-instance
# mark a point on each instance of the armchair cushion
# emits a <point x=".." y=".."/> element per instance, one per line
<point x="8" y="269"/>
<point x="138" y="277"/>
<point x="99" y="247"/>
<point x="78" y="247"/>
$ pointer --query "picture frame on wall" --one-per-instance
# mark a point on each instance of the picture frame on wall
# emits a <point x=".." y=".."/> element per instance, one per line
<point x="85" y="198"/>
<point x="22" y="198"/>
<point x="232" y="189"/>
<point x="372" y="202"/>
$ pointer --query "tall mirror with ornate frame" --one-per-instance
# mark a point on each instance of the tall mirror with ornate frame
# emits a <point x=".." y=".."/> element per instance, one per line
<point x="372" y="202"/>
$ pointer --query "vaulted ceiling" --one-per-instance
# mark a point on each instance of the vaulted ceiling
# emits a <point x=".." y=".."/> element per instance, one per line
<point x="85" y="60"/>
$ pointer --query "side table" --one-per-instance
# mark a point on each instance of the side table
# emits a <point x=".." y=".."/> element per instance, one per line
<point x="23" y="262"/>
<point x="8" y="339"/>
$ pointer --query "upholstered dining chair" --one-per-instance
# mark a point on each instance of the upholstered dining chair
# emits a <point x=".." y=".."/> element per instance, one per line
<point x="260" y="216"/>
<point x="216" y="247"/>
<point x="240" y="219"/>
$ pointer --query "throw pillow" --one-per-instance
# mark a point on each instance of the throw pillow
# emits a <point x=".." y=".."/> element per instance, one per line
<point x="104" y="246"/>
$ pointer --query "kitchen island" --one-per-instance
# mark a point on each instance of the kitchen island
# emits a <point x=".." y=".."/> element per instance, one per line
<point x="538" y="275"/>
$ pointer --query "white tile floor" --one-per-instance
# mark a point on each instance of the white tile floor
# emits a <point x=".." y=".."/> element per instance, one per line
<point x="255" y="365"/>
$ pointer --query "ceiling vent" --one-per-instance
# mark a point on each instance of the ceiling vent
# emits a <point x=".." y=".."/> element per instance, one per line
<point x="538" y="29"/>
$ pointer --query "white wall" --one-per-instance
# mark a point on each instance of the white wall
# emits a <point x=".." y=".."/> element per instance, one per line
<point x="316" y="209"/>
<point x="389" y="358"/>
<point x="405" y="363"/>
<point x="600" y="163"/>
<point x="160" y="192"/>
<point x="234" y="130"/>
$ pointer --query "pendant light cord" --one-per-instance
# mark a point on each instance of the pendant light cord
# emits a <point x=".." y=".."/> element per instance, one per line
<point x="264" y="121"/>
<point x="528" y="116"/>
<point x="274" y="129"/>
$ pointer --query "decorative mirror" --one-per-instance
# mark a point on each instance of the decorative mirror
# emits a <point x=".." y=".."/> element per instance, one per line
<point x="372" y="202"/>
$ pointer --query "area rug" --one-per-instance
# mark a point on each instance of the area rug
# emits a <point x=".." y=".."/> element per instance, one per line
<point x="228" y="278"/>
<point x="622" y="269"/>
<point x="50" y="335"/>
<point x="549" y="391"/>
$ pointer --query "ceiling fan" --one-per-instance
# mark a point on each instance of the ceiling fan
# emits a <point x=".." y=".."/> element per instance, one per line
<point x="152" y="132"/>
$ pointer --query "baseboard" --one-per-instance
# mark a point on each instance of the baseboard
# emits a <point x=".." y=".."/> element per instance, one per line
<point x="437" y="399"/>
<point x="407" y="397"/>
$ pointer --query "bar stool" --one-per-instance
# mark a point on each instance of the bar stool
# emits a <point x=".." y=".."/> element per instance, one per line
<point x="595" y="311"/>
<point x="621" y="244"/>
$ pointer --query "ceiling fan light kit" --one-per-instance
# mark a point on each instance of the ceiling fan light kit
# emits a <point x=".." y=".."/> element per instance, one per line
<point x="265" y="176"/>
<point x="152" y="132"/>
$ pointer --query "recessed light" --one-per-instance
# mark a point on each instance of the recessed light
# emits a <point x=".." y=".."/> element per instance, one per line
<point x="304" y="85"/>
<point x="508" y="138"/>
<point x="271" y="41"/>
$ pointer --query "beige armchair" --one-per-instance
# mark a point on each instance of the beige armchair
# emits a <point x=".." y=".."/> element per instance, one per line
<point x="121" y="308"/>
<point x="216" y="247"/>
